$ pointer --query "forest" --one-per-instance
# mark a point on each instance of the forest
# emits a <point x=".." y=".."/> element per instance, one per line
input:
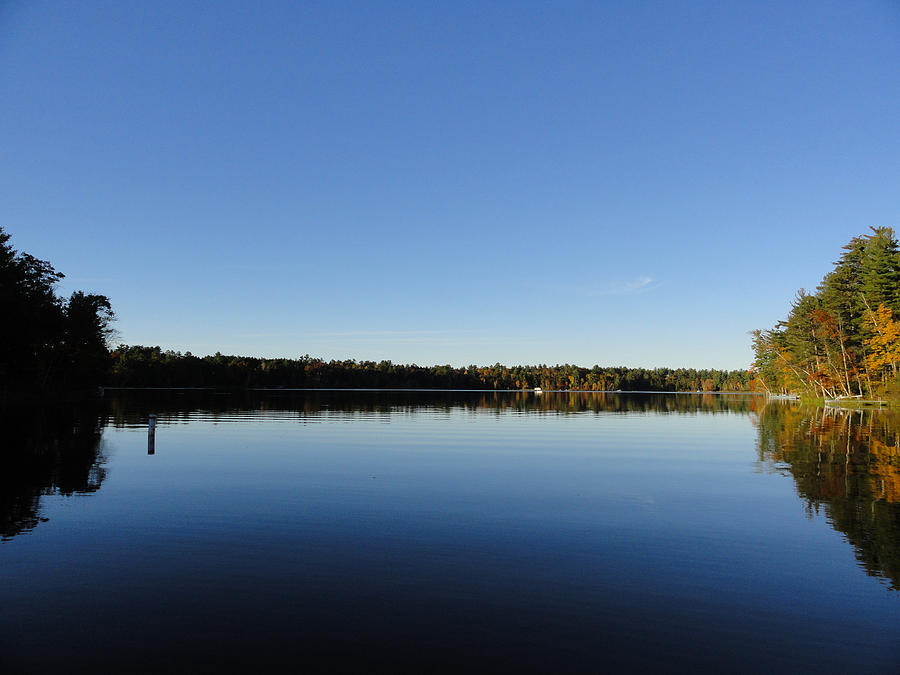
<point x="843" y="340"/>
<point x="135" y="365"/>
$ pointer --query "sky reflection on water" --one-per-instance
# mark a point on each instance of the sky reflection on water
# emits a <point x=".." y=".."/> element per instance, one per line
<point x="570" y="532"/>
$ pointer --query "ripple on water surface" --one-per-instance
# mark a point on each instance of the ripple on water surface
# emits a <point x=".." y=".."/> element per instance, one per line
<point x="450" y="530"/>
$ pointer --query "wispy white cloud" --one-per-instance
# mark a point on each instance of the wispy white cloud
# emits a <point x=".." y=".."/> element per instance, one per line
<point x="642" y="284"/>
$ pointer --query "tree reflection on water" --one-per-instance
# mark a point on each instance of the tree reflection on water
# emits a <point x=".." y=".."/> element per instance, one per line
<point x="128" y="408"/>
<point x="47" y="451"/>
<point x="845" y="464"/>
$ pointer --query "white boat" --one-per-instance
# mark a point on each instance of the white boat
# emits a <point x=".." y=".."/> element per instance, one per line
<point x="538" y="390"/>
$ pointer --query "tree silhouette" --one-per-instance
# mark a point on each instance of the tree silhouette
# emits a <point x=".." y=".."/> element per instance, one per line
<point x="47" y="343"/>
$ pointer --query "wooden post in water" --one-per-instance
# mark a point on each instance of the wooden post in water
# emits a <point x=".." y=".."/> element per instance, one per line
<point x="151" y="435"/>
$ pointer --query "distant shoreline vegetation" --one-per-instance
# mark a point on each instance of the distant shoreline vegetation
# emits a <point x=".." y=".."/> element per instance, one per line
<point x="844" y="339"/>
<point x="141" y="366"/>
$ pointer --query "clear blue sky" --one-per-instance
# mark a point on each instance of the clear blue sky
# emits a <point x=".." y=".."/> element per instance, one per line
<point x="628" y="183"/>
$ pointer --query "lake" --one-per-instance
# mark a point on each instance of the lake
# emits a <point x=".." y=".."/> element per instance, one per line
<point x="446" y="531"/>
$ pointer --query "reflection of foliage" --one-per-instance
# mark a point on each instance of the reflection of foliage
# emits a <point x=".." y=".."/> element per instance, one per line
<point x="128" y="408"/>
<point x="138" y="366"/>
<point x="48" y="451"/>
<point x="847" y="463"/>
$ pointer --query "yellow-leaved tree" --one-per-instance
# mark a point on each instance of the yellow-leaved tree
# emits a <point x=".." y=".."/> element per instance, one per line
<point x="883" y="348"/>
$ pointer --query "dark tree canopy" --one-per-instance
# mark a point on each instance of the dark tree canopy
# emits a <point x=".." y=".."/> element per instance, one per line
<point x="48" y="343"/>
<point x="139" y="366"/>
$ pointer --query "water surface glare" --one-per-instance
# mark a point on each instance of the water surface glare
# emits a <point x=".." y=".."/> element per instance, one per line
<point x="441" y="531"/>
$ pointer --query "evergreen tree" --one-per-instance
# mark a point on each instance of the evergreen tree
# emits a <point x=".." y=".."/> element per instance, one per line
<point x="46" y="342"/>
<point x="880" y="270"/>
<point x="825" y="346"/>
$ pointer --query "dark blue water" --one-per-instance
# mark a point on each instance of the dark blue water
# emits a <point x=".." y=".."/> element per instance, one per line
<point x="446" y="531"/>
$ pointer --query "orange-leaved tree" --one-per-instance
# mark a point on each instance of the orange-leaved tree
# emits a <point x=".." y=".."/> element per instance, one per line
<point x="883" y="348"/>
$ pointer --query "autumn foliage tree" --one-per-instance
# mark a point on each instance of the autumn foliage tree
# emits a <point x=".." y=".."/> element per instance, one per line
<point x="140" y="366"/>
<point x="833" y="343"/>
<point x="883" y="347"/>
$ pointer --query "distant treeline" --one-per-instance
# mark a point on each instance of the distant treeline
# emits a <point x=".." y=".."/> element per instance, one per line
<point x="139" y="366"/>
<point x="844" y="339"/>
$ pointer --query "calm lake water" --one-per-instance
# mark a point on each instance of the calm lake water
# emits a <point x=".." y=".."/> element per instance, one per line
<point x="442" y="531"/>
